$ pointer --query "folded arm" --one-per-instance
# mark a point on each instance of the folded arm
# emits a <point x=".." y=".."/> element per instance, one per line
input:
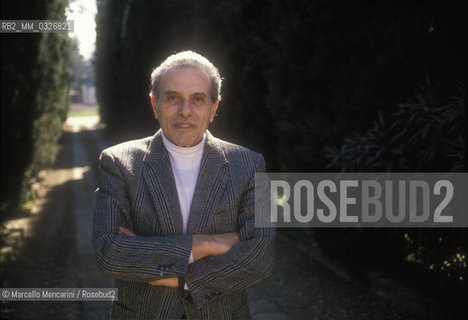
<point x="122" y="254"/>
<point x="246" y="263"/>
<point x="223" y="264"/>
<point x="136" y="258"/>
<point x="202" y="246"/>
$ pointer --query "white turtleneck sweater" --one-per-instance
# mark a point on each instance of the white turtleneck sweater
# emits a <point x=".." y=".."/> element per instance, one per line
<point x="185" y="166"/>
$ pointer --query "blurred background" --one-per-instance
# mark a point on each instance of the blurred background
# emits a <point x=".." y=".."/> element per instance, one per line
<point x="315" y="86"/>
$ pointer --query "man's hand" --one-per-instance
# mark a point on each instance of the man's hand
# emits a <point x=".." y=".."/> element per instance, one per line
<point x="126" y="231"/>
<point x="204" y="245"/>
<point x="167" y="282"/>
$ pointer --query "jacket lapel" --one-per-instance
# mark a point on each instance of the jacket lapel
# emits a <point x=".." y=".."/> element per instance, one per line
<point x="211" y="180"/>
<point x="159" y="178"/>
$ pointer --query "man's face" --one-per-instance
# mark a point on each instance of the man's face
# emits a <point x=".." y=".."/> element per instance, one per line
<point x="184" y="108"/>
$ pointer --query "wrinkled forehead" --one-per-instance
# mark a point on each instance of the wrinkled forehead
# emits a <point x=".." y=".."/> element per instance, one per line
<point x="185" y="79"/>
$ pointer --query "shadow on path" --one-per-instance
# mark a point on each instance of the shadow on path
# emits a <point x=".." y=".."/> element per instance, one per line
<point x="56" y="251"/>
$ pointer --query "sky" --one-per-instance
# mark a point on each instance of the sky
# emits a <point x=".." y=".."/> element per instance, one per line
<point x="83" y="13"/>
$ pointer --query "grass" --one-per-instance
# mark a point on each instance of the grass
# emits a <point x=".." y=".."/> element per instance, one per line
<point x="84" y="113"/>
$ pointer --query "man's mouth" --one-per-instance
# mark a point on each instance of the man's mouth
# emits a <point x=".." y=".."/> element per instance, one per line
<point x="183" y="125"/>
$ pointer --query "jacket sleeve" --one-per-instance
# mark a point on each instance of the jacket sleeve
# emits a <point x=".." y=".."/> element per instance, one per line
<point x="247" y="263"/>
<point x="137" y="258"/>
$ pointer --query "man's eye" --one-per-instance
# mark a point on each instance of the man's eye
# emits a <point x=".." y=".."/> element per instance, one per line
<point x="172" y="98"/>
<point x="199" y="99"/>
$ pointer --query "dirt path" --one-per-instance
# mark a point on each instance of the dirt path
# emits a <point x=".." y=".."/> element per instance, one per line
<point x="56" y="251"/>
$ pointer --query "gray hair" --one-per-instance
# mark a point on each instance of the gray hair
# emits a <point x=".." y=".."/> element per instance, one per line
<point x="187" y="59"/>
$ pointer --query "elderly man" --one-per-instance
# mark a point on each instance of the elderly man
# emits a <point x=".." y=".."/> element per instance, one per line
<point x="175" y="213"/>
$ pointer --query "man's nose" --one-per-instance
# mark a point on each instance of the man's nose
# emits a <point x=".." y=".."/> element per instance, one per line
<point x="185" y="109"/>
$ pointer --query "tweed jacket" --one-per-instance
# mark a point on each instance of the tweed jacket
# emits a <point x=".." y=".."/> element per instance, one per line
<point x="136" y="190"/>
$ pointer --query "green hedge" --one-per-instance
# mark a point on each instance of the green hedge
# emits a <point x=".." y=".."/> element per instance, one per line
<point x="299" y="75"/>
<point x="426" y="133"/>
<point x="35" y="93"/>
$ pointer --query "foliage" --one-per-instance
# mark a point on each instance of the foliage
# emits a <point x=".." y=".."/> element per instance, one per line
<point x="425" y="134"/>
<point x="35" y="86"/>
<point x="77" y="65"/>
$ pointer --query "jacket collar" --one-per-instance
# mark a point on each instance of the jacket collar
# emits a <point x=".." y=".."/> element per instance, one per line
<point x="161" y="183"/>
<point x="157" y="151"/>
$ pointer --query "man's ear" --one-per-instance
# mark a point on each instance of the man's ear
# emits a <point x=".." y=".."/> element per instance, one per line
<point x="154" y="105"/>
<point x="214" y="108"/>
